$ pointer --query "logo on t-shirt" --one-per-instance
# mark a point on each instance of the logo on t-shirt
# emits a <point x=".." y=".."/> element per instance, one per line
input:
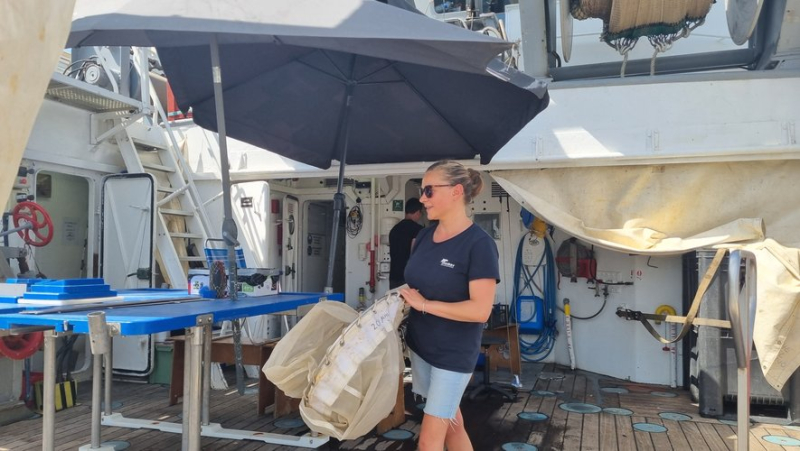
<point x="446" y="263"/>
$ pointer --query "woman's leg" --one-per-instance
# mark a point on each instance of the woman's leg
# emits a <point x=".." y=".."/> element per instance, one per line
<point x="432" y="433"/>
<point x="457" y="438"/>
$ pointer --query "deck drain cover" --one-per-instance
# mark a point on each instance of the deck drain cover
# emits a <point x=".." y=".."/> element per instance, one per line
<point x="114" y="405"/>
<point x="532" y="416"/>
<point x="579" y="407"/>
<point x="517" y="446"/>
<point x="551" y="376"/>
<point x="663" y="394"/>
<point x="543" y="393"/>
<point x="118" y="445"/>
<point x="618" y="411"/>
<point x="674" y="416"/>
<point x="617" y="390"/>
<point x="781" y="440"/>
<point x="649" y="427"/>
<point x="289" y="423"/>
<point x="421" y="406"/>
<point x="398" y="434"/>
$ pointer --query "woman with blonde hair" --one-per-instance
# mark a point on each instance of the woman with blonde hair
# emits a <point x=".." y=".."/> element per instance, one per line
<point x="452" y="275"/>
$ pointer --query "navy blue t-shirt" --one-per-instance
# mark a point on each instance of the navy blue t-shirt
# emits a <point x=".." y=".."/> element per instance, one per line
<point x="442" y="272"/>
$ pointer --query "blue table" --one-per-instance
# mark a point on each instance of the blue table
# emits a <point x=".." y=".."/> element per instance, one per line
<point x="176" y="311"/>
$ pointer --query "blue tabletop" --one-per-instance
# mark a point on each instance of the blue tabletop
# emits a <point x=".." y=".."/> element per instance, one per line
<point x="149" y="319"/>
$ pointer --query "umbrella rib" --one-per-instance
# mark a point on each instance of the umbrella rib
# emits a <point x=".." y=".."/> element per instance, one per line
<point x="341" y="80"/>
<point x="438" y="113"/>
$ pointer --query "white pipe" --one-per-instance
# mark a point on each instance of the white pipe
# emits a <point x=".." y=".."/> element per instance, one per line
<point x="372" y="212"/>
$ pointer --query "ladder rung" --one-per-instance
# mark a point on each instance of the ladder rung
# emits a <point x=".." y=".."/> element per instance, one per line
<point x="195" y="236"/>
<point x="171" y="212"/>
<point x="146" y="145"/>
<point x="192" y="259"/>
<point x="165" y="189"/>
<point x="158" y="167"/>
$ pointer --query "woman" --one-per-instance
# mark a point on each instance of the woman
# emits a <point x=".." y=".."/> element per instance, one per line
<point x="452" y="273"/>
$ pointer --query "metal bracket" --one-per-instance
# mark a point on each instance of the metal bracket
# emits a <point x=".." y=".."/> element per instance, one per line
<point x="114" y="329"/>
<point x="96" y="140"/>
<point x="203" y="320"/>
<point x="653" y="140"/>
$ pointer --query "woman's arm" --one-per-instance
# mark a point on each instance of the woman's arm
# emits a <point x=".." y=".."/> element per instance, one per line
<point x="476" y="309"/>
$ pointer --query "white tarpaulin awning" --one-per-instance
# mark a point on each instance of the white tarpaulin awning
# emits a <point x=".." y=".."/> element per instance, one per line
<point x="32" y="36"/>
<point x="672" y="209"/>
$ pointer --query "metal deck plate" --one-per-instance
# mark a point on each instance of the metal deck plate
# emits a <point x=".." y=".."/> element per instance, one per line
<point x="517" y="446"/>
<point x="289" y="423"/>
<point x="618" y="411"/>
<point x="663" y="394"/>
<point x="649" y="427"/>
<point x="532" y="416"/>
<point x="118" y="445"/>
<point x="543" y="393"/>
<point x="674" y="416"/>
<point x="398" y="434"/>
<point x="580" y="407"/>
<point x="781" y="440"/>
<point x="615" y="390"/>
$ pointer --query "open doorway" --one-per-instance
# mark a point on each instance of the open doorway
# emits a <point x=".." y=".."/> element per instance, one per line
<point x="315" y="245"/>
<point x="66" y="199"/>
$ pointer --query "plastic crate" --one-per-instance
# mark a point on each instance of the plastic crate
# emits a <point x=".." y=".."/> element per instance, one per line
<point x="529" y="316"/>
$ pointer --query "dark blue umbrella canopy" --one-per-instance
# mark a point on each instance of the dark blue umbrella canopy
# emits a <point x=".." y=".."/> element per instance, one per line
<point x="357" y="81"/>
<point x="290" y="100"/>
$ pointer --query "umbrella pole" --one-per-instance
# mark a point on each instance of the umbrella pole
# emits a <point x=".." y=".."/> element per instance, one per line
<point x="338" y="198"/>
<point x="229" y="231"/>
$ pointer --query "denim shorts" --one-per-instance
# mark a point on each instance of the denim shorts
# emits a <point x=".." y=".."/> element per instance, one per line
<point x="441" y="388"/>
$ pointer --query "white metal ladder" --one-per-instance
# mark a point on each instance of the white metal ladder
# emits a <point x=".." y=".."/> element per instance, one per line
<point x="147" y="146"/>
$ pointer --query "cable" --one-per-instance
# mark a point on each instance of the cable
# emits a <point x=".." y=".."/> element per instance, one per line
<point x="355" y="220"/>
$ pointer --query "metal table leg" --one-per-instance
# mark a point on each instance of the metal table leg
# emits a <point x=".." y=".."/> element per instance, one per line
<point x="742" y="310"/>
<point x="206" y="373"/>
<point x="49" y="401"/>
<point x="194" y="394"/>
<point x="187" y="400"/>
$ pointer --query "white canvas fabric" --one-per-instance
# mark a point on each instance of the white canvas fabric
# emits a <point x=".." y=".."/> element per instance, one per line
<point x="32" y="36"/>
<point x="344" y="365"/>
<point x="355" y="386"/>
<point x="671" y="209"/>
<point x="299" y="352"/>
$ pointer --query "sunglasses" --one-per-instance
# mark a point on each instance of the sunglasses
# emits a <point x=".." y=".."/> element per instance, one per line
<point x="427" y="190"/>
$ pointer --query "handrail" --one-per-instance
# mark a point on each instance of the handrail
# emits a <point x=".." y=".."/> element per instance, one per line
<point x="742" y="312"/>
<point x="182" y="164"/>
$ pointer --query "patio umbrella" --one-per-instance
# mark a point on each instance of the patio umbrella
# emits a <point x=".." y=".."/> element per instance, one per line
<point x="314" y="80"/>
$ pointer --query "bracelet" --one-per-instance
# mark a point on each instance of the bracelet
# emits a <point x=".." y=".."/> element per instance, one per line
<point x="423" y="306"/>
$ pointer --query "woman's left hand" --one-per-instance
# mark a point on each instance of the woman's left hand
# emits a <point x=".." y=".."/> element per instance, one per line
<point x="412" y="298"/>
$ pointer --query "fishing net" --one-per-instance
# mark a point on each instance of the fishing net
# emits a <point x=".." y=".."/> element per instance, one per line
<point x="625" y="21"/>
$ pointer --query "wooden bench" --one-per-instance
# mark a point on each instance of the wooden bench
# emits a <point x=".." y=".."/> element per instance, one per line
<point x="253" y="353"/>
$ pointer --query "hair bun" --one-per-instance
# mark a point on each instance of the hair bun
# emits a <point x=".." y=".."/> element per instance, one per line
<point x="477" y="182"/>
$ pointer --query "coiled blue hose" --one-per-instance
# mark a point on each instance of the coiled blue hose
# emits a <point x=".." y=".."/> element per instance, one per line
<point x="524" y="282"/>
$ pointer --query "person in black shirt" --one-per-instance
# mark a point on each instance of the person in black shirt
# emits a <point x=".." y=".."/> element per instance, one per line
<point x="401" y="238"/>
<point x="452" y="275"/>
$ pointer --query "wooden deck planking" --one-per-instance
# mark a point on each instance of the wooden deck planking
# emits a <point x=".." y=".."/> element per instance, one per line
<point x="644" y="441"/>
<point x="490" y="422"/>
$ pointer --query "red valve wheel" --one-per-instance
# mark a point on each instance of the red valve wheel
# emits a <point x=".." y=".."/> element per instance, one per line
<point x="41" y="231"/>
<point x="20" y="347"/>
